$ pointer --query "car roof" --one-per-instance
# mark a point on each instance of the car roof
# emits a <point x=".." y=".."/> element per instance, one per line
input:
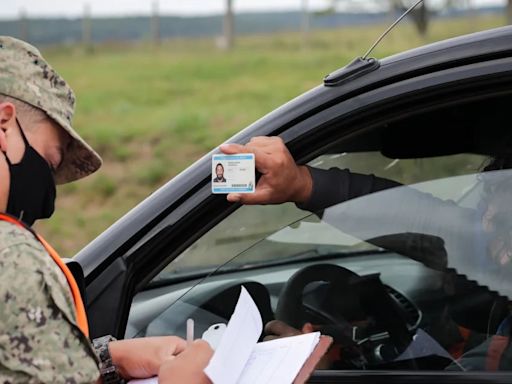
<point x="457" y="51"/>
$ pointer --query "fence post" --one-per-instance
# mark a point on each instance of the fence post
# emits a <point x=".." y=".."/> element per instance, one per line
<point x="229" y="26"/>
<point x="509" y="12"/>
<point x="87" y="28"/>
<point x="155" y="23"/>
<point x="24" y="30"/>
<point x="305" y="24"/>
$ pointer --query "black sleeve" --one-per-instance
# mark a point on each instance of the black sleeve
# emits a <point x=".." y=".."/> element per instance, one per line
<point x="334" y="186"/>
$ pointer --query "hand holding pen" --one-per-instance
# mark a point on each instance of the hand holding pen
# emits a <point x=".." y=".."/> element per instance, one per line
<point x="188" y="367"/>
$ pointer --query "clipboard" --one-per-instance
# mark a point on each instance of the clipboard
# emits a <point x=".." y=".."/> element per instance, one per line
<point x="309" y="366"/>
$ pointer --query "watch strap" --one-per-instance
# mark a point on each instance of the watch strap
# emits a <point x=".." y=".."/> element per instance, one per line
<point x="108" y="370"/>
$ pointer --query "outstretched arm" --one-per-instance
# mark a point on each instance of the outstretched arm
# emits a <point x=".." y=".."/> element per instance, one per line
<point x="312" y="189"/>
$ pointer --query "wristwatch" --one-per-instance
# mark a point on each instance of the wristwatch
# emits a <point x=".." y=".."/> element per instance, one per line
<point x="108" y="370"/>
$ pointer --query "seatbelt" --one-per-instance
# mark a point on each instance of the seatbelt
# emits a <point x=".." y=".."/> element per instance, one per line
<point x="81" y="315"/>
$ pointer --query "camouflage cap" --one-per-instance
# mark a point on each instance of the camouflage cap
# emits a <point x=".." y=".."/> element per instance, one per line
<point x="26" y="76"/>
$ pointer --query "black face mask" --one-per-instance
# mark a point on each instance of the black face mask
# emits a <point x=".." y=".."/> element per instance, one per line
<point x="32" y="189"/>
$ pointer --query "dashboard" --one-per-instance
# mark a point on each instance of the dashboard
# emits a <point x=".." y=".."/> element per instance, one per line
<point x="405" y="297"/>
<point x="164" y="310"/>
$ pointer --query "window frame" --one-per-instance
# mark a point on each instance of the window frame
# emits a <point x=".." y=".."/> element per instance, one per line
<point x="138" y="263"/>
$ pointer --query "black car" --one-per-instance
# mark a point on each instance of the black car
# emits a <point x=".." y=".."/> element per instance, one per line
<point x="381" y="265"/>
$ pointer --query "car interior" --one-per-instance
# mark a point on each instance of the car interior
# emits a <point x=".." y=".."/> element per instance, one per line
<point x="398" y="286"/>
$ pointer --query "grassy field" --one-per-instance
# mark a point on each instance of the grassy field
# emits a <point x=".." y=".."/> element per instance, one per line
<point x="151" y="111"/>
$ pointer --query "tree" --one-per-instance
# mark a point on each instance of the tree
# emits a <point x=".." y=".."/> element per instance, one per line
<point x="419" y="15"/>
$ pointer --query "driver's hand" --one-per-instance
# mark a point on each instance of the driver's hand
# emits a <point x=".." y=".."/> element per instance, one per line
<point x="282" y="180"/>
<point x="277" y="329"/>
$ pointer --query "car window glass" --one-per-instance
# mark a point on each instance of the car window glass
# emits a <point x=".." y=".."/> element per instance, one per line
<point x="421" y="271"/>
<point x="410" y="263"/>
<point x="250" y="224"/>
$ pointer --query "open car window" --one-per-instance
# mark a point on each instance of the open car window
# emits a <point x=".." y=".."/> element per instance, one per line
<point x="412" y="277"/>
<point x="250" y="224"/>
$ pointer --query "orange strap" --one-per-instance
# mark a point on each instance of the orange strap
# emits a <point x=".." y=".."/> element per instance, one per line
<point x="458" y="349"/>
<point x="495" y="352"/>
<point x="81" y="315"/>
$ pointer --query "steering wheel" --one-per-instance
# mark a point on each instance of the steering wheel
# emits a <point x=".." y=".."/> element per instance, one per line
<point x="290" y="305"/>
<point x="355" y="297"/>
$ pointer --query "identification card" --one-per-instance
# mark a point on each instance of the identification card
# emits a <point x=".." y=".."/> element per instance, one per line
<point x="233" y="173"/>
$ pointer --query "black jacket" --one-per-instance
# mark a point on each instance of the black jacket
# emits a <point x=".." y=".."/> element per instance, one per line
<point x="334" y="186"/>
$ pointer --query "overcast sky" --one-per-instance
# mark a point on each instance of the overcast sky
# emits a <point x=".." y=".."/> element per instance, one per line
<point x="177" y="7"/>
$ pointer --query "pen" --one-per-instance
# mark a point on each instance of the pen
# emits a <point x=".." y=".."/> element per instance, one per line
<point x="190" y="331"/>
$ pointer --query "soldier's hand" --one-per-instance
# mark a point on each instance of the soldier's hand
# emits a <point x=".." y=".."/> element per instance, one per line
<point x="282" y="180"/>
<point x="188" y="367"/>
<point x="142" y="358"/>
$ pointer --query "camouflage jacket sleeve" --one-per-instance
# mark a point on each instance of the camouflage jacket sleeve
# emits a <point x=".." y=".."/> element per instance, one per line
<point x="39" y="339"/>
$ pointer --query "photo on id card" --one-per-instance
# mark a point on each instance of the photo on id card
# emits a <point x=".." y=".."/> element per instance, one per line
<point x="233" y="173"/>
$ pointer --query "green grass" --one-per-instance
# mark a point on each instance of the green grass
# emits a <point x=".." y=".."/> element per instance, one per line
<point x="150" y="111"/>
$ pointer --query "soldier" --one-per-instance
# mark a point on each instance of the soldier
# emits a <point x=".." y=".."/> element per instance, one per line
<point x="43" y="324"/>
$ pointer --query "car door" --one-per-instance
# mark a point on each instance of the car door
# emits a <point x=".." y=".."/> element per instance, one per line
<point x="239" y="242"/>
<point x="128" y="256"/>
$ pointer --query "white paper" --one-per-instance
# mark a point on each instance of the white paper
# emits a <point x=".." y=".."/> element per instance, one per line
<point x="240" y="359"/>
<point x="239" y="339"/>
<point x="278" y="361"/>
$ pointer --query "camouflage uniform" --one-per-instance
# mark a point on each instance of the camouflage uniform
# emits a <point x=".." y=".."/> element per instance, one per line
<point x="39" y="338"/>
<point x="40" y="341"/>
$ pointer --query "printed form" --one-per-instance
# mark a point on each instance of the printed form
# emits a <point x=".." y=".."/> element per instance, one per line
<point x="239" y="358"/>
<point x="278" y="361"/>
<point x="235" y="348"/>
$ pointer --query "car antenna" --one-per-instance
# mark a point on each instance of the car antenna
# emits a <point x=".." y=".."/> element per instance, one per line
<point x="363" y="65"/>
<point x="391" y="28"/>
